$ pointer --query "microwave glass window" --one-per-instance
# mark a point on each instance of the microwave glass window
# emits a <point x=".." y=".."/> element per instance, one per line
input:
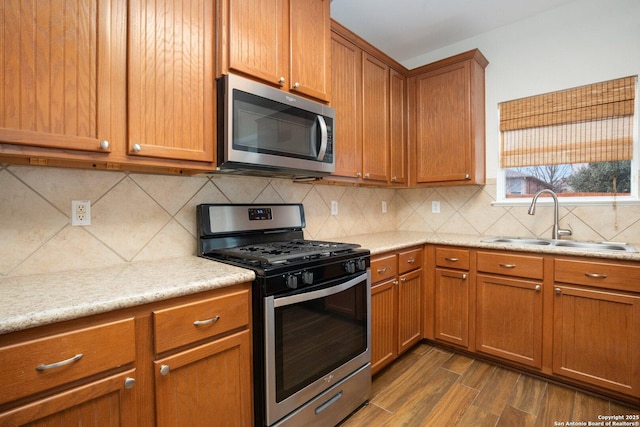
<point x="266" y="126"/>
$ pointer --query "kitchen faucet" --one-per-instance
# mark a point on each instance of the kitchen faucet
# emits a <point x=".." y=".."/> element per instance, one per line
<point x="557" y="231"/>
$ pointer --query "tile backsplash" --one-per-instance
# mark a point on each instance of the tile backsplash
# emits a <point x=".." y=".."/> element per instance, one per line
<point x="136" y="217"/>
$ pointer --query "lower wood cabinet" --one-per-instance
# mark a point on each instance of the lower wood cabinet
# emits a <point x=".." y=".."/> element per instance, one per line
<point x="396" y="305"/>
<point x="206" y="385"/>
<point x="179" y="362"/>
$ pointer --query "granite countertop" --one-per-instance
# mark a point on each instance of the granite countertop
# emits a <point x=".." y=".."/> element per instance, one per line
<point x="30" y="301"/>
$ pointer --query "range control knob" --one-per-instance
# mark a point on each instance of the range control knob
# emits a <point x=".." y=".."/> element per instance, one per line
<point x="292" y="281"/>
<point x="350" y="267"/>
<point x="361" y="265"/>
<point x="307" y="278"/>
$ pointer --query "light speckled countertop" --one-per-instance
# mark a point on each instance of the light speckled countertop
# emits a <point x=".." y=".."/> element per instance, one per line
<point x="29" y="301"/>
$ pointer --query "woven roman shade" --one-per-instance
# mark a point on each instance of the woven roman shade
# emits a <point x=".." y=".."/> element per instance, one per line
<point x="592" y="123"/>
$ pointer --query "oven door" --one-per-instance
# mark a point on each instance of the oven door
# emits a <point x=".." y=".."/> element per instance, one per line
<point x="313" y="340"/>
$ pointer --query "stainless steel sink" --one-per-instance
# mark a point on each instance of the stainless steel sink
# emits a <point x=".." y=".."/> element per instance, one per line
<point x="573" y="244"/>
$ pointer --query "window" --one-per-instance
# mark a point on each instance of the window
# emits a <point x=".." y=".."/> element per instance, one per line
<point x="577" y="142"/>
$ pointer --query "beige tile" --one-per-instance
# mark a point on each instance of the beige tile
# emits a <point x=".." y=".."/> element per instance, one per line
<point x="126" y="218"/>
<point x="240" y="189"/>
<point x="607" y="221"/>
<point x="207" y="194"/>
<point x="316" y="213"/>
<point x="479" y="212"/>
<point x="26" y="222"/>
<point x="269" y="195"/>
<point x="172" y="241"/>
<point x="291" y="192"/>
<point x="171" y="192"/>
<point x="458" y="195"/>
<point x="456" y="224"/>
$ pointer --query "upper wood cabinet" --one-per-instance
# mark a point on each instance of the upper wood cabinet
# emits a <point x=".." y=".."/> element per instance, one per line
<point x="281" y="42"/>
<point x="58" y="73"/>
<point x="369" y="97"/>
<point x="448" y="122"/>
<point x="171" y="93"/>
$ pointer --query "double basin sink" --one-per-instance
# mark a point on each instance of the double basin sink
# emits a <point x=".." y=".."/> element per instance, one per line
<point x="573" y="244"/>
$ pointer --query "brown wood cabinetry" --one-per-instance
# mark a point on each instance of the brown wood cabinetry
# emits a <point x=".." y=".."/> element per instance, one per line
<point x="171" y="363"/>
<point x="171" y="94"/>
<point x="452" y="294"/>
<point x="596" y="324"/>
<point x="281" y="42"/>
<point x="509" y="307"/>
<point x="396" y="305"/>
<point x="447" y="110"/>
<point x="369" y="96"/>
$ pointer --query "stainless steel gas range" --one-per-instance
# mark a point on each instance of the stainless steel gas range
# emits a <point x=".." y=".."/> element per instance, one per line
<point x="311" y="311"/>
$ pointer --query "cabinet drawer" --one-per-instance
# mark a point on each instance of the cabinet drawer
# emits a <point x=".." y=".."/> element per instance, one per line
<point x="410" y="260"/>
<point x="188" y="323"/>
<point x="38" y="365"/>
<point x="511" y="265"/>
<point x="600" y="274"/>
<point x="383" y="268"/>
<point x="452" y="258"/>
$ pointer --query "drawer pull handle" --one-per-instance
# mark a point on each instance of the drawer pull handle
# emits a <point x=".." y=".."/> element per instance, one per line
<point x="61" y="363"/>
<point x="382" y="270"/>
<point x="164" y="370"/>
<point x="129" y="383"/>
<point x="206" y="322"/>
<point x="508" y="265"/>
<point x="538" y="288"/>
<point x="596" y="275"/>
<point x="411" y="261"/>
<point x="452" y="259"/>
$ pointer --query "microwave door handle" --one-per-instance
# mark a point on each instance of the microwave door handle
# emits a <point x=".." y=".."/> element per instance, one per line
<point x="323" y="137"/>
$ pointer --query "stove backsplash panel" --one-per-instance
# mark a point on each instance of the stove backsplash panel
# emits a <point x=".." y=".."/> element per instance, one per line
<point x="136" y="217"/>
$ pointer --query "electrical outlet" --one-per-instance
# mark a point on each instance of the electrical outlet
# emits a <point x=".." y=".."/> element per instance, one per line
<point x="384" y="206"/>
<point x="435" y="206"/>
<point x="334" y="207"/>
<point x="80" y="212"/>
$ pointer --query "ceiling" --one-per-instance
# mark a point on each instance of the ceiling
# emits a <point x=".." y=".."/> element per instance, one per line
<point x="405" y="29"/>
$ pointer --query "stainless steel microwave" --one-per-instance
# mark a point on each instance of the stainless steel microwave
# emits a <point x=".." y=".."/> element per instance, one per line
<point x="266" y="131"/>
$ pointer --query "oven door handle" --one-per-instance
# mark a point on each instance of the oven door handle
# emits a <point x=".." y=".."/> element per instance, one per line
<point x="308" y="296"/>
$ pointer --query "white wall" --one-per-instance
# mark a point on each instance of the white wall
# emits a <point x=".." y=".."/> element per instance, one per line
<point x="584" y="42"/>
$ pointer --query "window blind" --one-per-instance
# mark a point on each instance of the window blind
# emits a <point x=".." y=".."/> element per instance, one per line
<point x="592" y="123"/>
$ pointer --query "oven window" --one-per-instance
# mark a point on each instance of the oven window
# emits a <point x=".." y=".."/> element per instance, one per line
<point x="315" y="337"/>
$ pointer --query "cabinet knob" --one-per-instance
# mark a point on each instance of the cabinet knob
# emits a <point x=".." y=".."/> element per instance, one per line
<point x="164" y="369"/>
<point x="395" y="282"/>
<point x="367" y="175"/>
<point x="394" y="178"/>
<point x="129" y="383"/>
<point x="359" y="174"/>
<point x="557" y="291"/>
<point x="282" y="80"/>
<point x="538" y="288"/>
<point x="403" y="279"/>
<point x="296" y="85"/>
<point x="467" y="176"/>
<point x="136" y="147"/>
<point x="104" y="144"/>
<point x="464" y="276"/>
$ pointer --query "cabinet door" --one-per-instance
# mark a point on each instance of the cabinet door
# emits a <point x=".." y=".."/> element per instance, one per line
<point x="171" y="79"/>
<point x="452" y="306"/>
<point x="209" y="385"/>
<point x="111" y="401"/>
<point x="409" y="310"/>
<point x="310" y="24"/>
<point x="254" y="39"/>
<point x="346" y="93"/>
<point x="397" y="127"/>
<point x="384" y="336"/>
<point x="443" y="125"/>
<point x="375" y="119"/>
<point x="509" y="319"/>
<point x="59" y="60"/>
<point x="596" y="337"/>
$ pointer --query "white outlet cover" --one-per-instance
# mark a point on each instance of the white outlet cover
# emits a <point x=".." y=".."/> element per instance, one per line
<point x="334" y="207"/>
<point x="80" y="212"/>
<point x="435" y="206"/>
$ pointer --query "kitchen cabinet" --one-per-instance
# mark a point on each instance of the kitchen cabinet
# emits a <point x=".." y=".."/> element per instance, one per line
<point x="171" y="95"/>
<point x="452" y="293"/>
<point x="369" y="96"/>
<point x="183" y="361"/>
<point x="509" y="307"/>
<point x="113" y="85"/>
<point x="448" y="131"/>
<point x="396" y="305"/>
<point x="596" y="324"/>
<point x="72" y="377"/>
<point x="285" y="43"/>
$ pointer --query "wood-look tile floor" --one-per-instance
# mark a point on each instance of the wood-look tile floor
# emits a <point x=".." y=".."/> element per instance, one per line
<point x="430" y="386"/>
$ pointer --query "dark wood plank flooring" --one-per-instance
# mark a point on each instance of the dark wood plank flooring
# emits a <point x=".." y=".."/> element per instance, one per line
<point x="430" y="386"/>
